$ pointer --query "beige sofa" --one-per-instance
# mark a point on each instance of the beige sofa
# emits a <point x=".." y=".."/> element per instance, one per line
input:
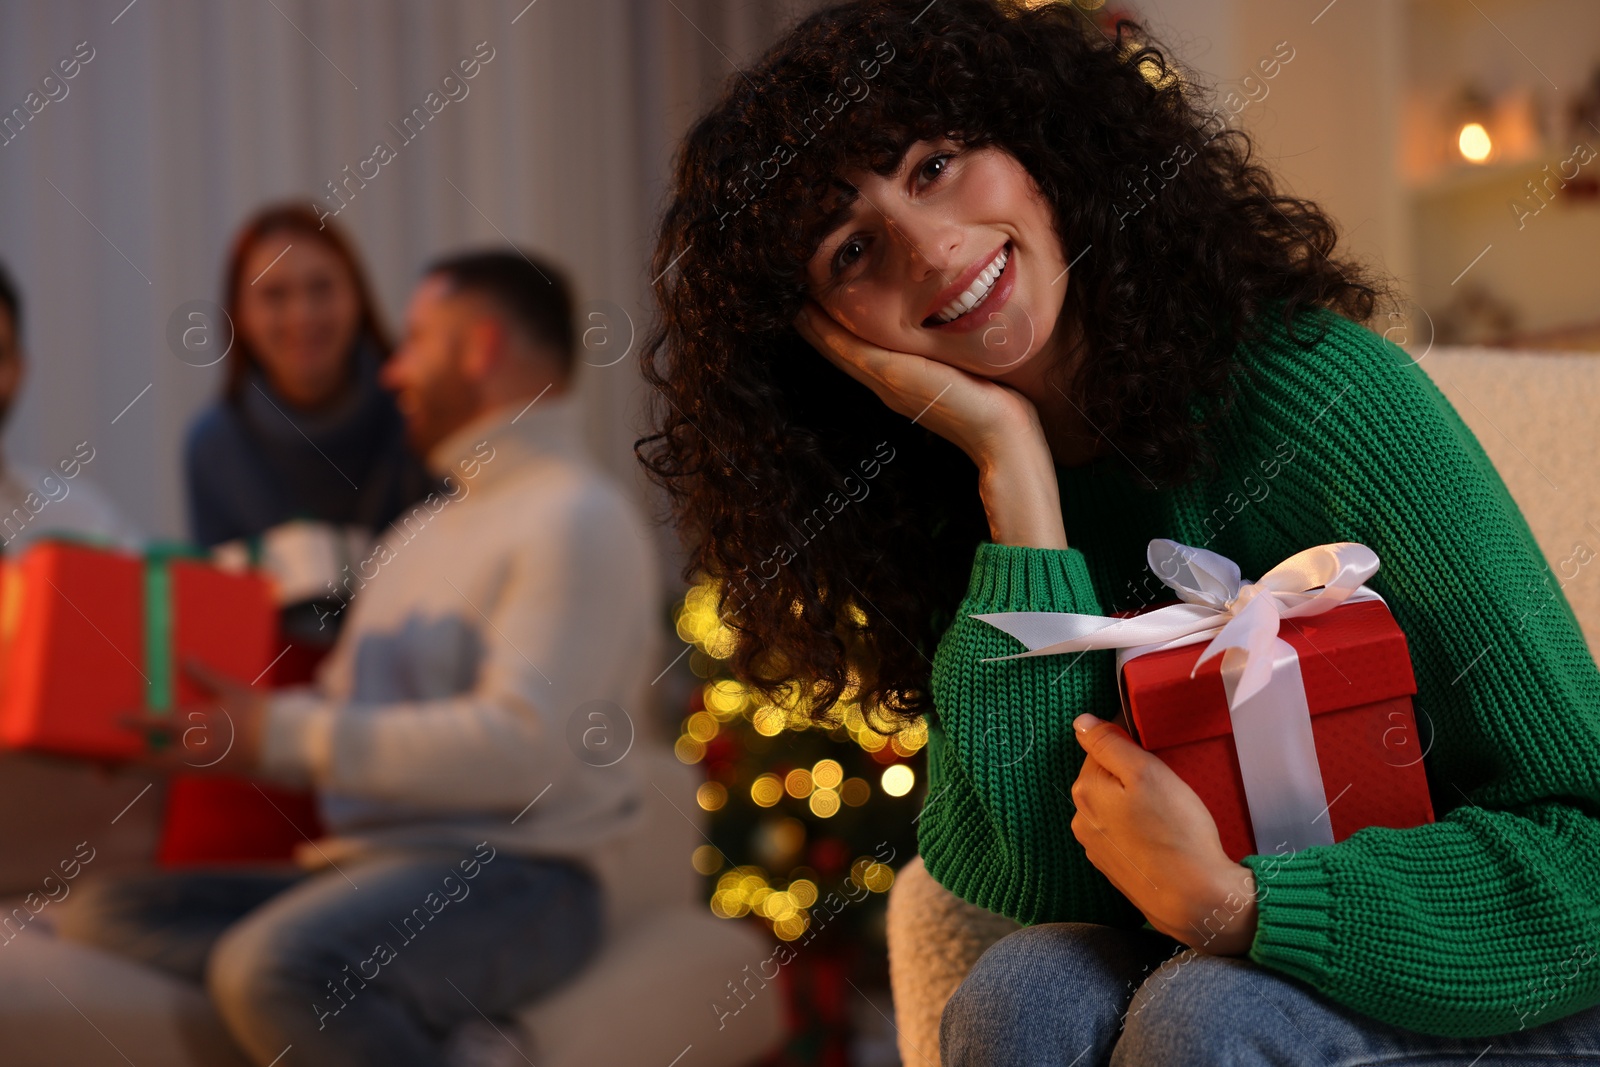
<point x="1533" y="413"/>
<point x="645" y="1001"/>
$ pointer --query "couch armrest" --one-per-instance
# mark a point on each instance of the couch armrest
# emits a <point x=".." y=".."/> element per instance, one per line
<point x="934" y="939"/>
<point x="648" y="869"/>
<point x="659" y="988"/>
<point x="62" y="1002"/>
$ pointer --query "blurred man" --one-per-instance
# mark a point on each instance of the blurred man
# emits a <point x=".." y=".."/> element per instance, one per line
<point x="35" y="500"/>
<point x="82" y="800"/>
<point x="449" y="735"/>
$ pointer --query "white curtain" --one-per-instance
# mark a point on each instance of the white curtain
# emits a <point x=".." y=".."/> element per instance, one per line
<point x="118" y="197"/>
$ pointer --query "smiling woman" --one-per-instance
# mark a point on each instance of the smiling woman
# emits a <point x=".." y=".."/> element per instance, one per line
<point x="1066" y="379"/>
<point x="303" y="429"/>
<point x="983" y="162"/>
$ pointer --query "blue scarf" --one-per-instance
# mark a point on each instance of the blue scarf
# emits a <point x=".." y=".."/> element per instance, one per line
<point x="262" y="461"/>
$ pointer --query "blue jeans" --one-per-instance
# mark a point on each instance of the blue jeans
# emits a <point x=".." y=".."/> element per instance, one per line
<point x="373" y="962"/>
<point x="1082" y="995"/>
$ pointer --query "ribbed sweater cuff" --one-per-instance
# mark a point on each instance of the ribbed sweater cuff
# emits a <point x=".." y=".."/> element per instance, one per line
<point x="1018" y="578"/>
<point x="297" y="737"/>
<point x="1294" y="913"/>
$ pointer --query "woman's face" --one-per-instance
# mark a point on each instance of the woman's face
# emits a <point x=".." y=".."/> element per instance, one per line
<point x="300" y="313"/>
<point x="953" y="257"/>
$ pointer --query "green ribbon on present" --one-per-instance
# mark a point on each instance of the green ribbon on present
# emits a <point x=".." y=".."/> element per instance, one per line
<point x="160" y="665"/>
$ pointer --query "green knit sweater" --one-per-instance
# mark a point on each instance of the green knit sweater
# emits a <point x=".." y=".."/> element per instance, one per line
<point x="1482" y="923"/>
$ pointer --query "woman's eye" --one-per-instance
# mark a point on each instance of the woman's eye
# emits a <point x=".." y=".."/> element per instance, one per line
<point x="847" y="254"/>
<point x="934" y="167"/>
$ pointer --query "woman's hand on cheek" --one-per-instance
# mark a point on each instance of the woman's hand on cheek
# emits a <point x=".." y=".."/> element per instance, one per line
<point x="976" y="415"/>
<point x="1146" y="830"/>
<point x="996" y="426"/>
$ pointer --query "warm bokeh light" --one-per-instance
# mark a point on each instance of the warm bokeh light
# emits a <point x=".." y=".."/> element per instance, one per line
<point x="855" y="792"/>
<point x="898" y="780"/>
<point x="766" y="790"/>
<point x="782" y="840"/>
<point x="825" y="803"/>
<point x="769" y="721"/>
<point x="870" y="740"/>
<point x="724" y="698"/>
<point x="706" y="860"/>
<point x="792" y="928"/>
<point x="1474" y="143"/>
<point x="827" y="774"/>
<point x="738" y="891"/>
<point x="702" y="665"/>
<point x="701" y="726"/>
<point x="777" y="906"/>
<point x="711" y="795"/>
<point x="910" y="740"/>
<point x="826" y="786"/>
<point x="699" y="624"/>
<point x="745" y="891"/>
<point x="878" y="878"/>
<point x="872" y="875"/>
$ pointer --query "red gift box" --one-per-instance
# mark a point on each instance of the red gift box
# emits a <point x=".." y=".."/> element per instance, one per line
<point x="88" y="635"/>
<point x="216" y="819"/>
<point x="1358" y="686"/>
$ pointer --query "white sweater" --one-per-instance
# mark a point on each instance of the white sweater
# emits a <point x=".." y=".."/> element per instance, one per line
<point x="477" y="634"/>
<point x="36" y="502"/>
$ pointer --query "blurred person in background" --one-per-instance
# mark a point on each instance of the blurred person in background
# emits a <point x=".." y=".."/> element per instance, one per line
<point x="303" y="430"/>
<point x="449" y="734"/>
<point x="36" y="500"/>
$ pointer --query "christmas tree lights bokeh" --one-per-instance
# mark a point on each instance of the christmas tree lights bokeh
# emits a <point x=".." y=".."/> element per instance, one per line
<point x="795" y="806"/>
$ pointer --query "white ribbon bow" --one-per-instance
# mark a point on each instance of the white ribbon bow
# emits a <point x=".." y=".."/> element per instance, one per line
<point x="1260" y="671"/>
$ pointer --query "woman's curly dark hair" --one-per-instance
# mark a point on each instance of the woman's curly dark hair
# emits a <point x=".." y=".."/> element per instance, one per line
<point x="838" y="592"/>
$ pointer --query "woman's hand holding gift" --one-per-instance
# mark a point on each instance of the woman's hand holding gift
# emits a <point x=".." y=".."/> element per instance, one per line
<point x="1150" y="835"/>
<point x="996" y="426"/>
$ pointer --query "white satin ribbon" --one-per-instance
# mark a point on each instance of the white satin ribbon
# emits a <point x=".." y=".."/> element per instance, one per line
<point x="1260" y="671"/>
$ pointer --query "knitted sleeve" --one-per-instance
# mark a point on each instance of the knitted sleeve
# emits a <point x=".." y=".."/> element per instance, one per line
<point x="1001" y="757"/>
<point x="1488" y="920"/>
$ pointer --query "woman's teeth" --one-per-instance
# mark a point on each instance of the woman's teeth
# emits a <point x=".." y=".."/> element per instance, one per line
<point x="977" y="291"/>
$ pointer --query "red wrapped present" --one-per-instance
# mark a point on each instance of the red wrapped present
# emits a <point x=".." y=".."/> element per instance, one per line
<point x="1293" y="722"/>
<point x="216" y="818"/>
<point x="1356" y="674"/>
<point x="89" y="634"/>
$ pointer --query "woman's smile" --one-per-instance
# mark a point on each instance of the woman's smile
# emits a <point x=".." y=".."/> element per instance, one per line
<point x="981" y="290"/>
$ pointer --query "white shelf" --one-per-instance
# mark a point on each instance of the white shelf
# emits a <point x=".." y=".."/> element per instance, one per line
<point x="1466" y="177"/>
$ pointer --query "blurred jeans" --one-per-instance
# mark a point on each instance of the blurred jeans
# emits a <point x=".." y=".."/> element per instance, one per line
<point x="1082" y="995"/>
<point x="375" y="961"/>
